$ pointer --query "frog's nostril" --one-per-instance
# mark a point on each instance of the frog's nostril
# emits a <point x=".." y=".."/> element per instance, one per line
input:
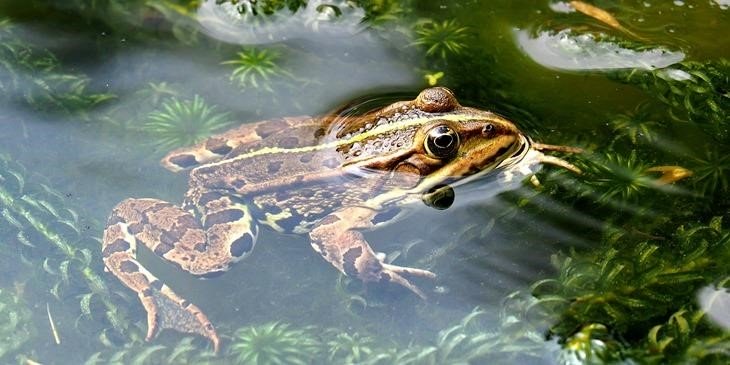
<point x="488" y="129"/>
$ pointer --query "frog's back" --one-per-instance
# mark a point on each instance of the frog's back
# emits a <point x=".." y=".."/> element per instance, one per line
<point x="290" y="132"/>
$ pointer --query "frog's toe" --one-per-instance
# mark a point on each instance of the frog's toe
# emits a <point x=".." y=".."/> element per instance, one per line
<point x="396" y="278"/>
<point x="394" y="274"/>
<point x="166" y="310"/>
<point x="409" y="271"/>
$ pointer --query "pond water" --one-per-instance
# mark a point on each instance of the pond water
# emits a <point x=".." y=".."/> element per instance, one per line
<point x="626" y="262"/>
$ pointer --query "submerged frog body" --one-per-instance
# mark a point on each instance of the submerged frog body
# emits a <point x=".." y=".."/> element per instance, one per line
<point x="329" y="178"/>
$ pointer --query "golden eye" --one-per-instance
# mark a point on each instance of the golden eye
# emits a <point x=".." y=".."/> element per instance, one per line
<point x="441" y="142"/>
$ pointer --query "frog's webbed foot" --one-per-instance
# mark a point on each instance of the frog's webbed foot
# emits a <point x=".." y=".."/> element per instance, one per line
<point x="165" y="309"/>
<point x="338" y="241"/>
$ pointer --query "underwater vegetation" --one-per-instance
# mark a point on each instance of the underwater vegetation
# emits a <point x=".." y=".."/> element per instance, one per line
<point x="184" y="351"/>
<point x="443" y="38"/>
<point x="180" y="123"/>
<point x="54" y="256"/>
<point x="712" y="171"/>
<point x="273" y="343"/>
<point x="36" y="78"/>
<point x="255" y="68"/>
<point x="697" y="92"/>
<point x="624" y="286"/>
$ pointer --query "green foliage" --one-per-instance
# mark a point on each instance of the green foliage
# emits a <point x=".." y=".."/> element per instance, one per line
<point x="185" y="351"/>
<point x="255" y="68"/>
<point x="696" y="92"/>
<point x="274" y="343"/>
<point x="47" y="243"/>
<point x="628" y="286"/>
<point x="346" y="348"/>
<point x="593" y="344"/>
<point x="381" y="12"/>
<point x="15" y="328"/>
<point x="184" y="122"/>
<point x="36" y="77"/>
<point x="640" y="126"/>
<point x="711" y="171"/>
<point x="470" y="341"/>
<point x="609" y="179"/>
<point x="442" y="38"/>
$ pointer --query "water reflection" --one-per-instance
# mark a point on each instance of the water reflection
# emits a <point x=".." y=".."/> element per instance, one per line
<point x="567" y="50"/>
<point x="242" y="23"/>
<point x="716" y="303"/>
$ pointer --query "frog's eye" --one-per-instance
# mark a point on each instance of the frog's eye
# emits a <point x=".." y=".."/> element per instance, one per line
<point x="441" y="142"/>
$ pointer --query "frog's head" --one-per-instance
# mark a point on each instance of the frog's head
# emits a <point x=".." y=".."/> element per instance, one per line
<point x="430" y="143"/>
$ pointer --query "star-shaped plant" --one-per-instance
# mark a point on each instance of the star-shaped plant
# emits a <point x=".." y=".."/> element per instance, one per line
<point x="184" y="122"/>
<point x="255" y="68"/>
<point x="442" y="38"/>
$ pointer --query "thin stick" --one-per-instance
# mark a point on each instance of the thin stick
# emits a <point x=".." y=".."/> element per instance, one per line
<point x="56" y="337"/>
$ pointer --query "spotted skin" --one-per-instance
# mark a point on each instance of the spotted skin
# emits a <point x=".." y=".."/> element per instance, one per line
<point x="206" y="248"/>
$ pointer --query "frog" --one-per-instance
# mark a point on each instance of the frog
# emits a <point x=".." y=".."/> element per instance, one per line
<point x="332" y="178"/>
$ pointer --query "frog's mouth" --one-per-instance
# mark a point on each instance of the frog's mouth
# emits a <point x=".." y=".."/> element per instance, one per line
<point x="440" y="195"/>
<point x="512" y="156"/>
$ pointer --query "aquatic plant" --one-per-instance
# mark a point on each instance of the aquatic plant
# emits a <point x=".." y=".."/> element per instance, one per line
<point x="611" y="178"/>
<point x="474" y="340"/>
<point x="274" y="343"/>
<point x="180" y="18"/>
<point x="593" y="344"/>
<point x="36" y="77"/>
<point x="629" y="284"/>
<point x="346" y="348"/>
<point x="381" y="12"/>
<point x="184" y="351"/>
<point x="180" y="123"/>
<point x="442" y="38"/>
<point x="156" y="92"/>
<point x="697" y="92"/>
<point x="639" y="126"/>
<point x="712" y="171"/>
<point x="255" y="68"/>
<point x="52" y="247"/>
<point x="15" y="324"/>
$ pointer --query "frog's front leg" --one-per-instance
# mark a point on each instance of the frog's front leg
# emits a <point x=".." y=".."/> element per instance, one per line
<point x="338" y="239"/>
<point x="226" y="235"/>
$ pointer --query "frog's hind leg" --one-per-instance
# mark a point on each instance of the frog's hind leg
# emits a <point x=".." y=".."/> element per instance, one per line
<point x="177" y="236"/>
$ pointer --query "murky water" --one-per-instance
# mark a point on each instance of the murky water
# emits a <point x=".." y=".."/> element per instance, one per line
<point x="599" y="267"/>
